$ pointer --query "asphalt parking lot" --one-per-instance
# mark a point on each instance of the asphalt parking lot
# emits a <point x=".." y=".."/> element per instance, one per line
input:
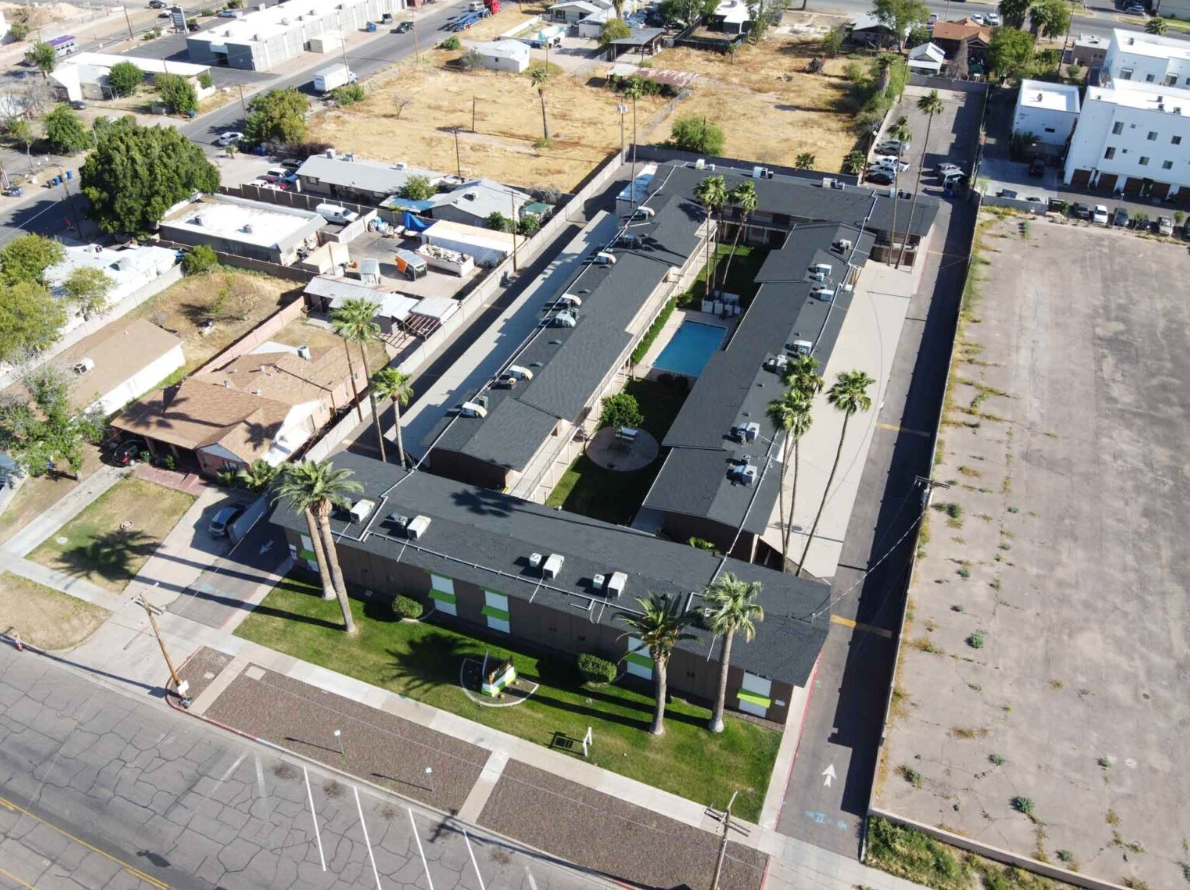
<point x="1041" y="702"/>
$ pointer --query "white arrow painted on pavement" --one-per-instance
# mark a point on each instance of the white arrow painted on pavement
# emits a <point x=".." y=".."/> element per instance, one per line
<point x="266" y="547"/>
<point x="829" y="773"/>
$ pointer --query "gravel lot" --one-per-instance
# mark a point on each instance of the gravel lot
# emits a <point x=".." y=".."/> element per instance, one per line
<point x="201" y="669"/>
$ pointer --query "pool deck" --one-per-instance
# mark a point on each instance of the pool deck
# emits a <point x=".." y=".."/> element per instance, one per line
<point x="645" y="368"/>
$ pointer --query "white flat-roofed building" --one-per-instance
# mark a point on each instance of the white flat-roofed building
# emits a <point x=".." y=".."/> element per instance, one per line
<point x="244" y="228"/>
<point x="1147" y="58"/>
<point x="1047" y="110"/>
<point x="85" y="75"/>
<point x="129" y="269"/>
<point x="504" y="55"/>
<point x="261" y="40"/>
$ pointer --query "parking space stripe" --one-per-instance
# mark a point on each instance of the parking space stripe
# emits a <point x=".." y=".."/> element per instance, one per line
<point x="314" y="816"/>
<point x="866" y="628"/>
<point x="420" y="851"/>
<point x="16" y="880"/>
<point x="900" y="429"/>
<point x="368" y="843"/>
<point x="478" y="876"/>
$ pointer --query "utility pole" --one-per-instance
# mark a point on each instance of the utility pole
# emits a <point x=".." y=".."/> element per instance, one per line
<point x="78" y="221"/>
<point x="243" y="105"/>
<point x="458" y="160"/>
<point x="512" y="201"/>
<point x="723" y="840"/>
<point x="623" y="110"/>
<point x="128" y="21"/>
<point x="930" y="485"/>
<point x="416" y="47"/>
<point x="472" y="114"/>
<point x="179" y="684"/>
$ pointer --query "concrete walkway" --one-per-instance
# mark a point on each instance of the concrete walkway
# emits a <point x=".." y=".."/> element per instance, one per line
<point x="70" y="506"/>
<point x="79" y="588"/>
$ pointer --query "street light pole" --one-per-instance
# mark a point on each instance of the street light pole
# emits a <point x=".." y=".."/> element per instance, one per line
<point x="128" y="21"/>
<point x="179" y="684"/>
<point x="723" y="842"/>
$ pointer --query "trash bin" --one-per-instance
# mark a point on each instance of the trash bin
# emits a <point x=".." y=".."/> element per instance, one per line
<point x="70" y="174"/>
<point x="371" y="27"/>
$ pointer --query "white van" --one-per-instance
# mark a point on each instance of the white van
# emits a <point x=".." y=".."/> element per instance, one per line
<point x="336" y="214"/>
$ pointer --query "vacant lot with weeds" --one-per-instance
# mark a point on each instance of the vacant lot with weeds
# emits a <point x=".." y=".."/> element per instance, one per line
<point x="1041" y="708"/>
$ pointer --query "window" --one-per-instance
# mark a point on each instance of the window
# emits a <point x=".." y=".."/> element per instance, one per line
<point x="1050" y="130"/>
<point x="442" y="592"/>
<point x="1152" y="137"/>
<point x="1149" y="78"/>
<point x="1125" y="74"/>
<point x="1117" y="128"/>
<point x="1171" y="80"/>
<point x="1176" y="140"/>
<point x="1167" y="165"/>
<point x="1110" y="153"/>
<point x="1144" y="162"/>
<point x="495" y="609"/>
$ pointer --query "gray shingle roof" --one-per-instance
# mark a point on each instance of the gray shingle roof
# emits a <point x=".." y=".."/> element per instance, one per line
<point x="368" y="176"/>
<point x="485" y="537"/>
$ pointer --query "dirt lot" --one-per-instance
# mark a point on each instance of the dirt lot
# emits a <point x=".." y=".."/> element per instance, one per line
<point x="301" y="332"/>
<point x="770" y="109"/>
<point x="183" y="307"/>
<point x="46" y="618"/>
<point x="1040" y="700"/>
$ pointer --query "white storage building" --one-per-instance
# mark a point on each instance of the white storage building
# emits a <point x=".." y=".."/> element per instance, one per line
<point x="1047" y="110"/>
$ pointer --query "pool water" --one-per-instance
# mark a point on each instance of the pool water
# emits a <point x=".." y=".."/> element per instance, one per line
<point x="690" y="349"/>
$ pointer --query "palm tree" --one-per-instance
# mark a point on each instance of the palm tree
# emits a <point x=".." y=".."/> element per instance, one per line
<point x="659" y="626"/>
<point x="390" y="383"/>
<point x="634" y="91"/>
<point x="1157" y="25"/>
<point x="791" y="414"/>
<point x="849" y="395"/>
<point x="353" y="321"/>
<point x="257" y="476"/>
<point x="732" y="609"/>
<point x="802" y="374"/>
<point x="312" y="488"/>
<point x="711" y="193"/>
<point x="1014" y="11"/>
<point x="744" y="197"/>
<point x="930" y="105"/>
<point x="900" y="130"/>
<point x="853" y="162"/>
<point x="805" y="161"/>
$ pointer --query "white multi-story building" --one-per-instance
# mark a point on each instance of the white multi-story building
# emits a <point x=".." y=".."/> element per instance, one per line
<point x="1133" y="134"/>
<point x="1047" y="110"/>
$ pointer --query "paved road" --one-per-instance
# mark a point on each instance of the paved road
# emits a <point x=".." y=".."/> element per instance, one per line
<point x="843" y="724"/>
<point x="101" y="790"/>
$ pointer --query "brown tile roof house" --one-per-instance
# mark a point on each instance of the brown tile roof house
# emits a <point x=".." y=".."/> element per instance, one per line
<point x="257" y="406"/>
<point x="948" y="36"/>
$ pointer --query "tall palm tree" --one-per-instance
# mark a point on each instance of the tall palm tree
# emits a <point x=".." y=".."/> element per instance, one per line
<point x="802" y="374"/>
<point x="635" y="90"/>
<point x="744" y="197"/>
<point x="733" y="609"/>
<point x="930" y="105"/>
<point x="312" y="488"/>
<point x="1157" y="25"/>
<point x="390" y="383"/>
<point x="354" y="322"/>
<point x="659" y="626"/>
<point x="710" y="193"/>
<point x="849" y="395"/>
<point x="791" y="414"/>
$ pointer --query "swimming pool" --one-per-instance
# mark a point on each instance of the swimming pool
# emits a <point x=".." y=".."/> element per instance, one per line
<point x="690" y="349"/>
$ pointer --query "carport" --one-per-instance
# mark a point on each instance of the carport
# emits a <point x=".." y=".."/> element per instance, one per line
<point x="644" y="40"/>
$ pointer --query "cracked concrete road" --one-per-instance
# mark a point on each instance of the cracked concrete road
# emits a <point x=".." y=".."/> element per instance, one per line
<point x="100" y="790"/>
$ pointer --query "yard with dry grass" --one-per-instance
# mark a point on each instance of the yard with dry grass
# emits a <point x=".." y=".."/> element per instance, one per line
<point x="303" y="332"/>
<point x="249" y="299"/>
<point x="769" y="107"/>
<point x="43" y="617"/>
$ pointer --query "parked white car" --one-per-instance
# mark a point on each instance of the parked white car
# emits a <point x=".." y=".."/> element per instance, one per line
<point x="992" y="19"/>
<point x="890" y="162"/>
<point x="977" y="19"/>
<point x="1099" y="217"/>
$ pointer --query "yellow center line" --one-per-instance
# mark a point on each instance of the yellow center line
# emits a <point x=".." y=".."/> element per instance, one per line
<point x="901" y="429"/>
<point x="866" y="628"/>
<point x="135" y="872"/>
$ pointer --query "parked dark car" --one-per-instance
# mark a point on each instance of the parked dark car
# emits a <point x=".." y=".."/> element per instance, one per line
<point x="1120" y="218"/>
<point x="124" y="452"/>
<point x="403" y="28"/>
<point x="1037" y="167"/>
<point x="221" y="522"/>
<point x="879" y="177"/>
<point x="1080" y="211"/>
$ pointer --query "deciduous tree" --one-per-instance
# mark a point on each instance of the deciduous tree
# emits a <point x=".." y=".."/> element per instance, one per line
<point x="278" y="116"/>
<point x="692" y="132"/>
<point x="1009" y="53"/>
<point x="900" y="15"/>
<point x="65" y="133"/>
<point x="29" y="320"/>
<point x="124" y="78"/>
<point x="26" y="258"/>
<point x="177" y="93"/>
<point x="41" y="427"/>
<point x="43" y="57"/>
<point x="87" y="288"/>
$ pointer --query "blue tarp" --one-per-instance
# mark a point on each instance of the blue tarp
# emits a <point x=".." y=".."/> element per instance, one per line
<point x="414" y="223"/>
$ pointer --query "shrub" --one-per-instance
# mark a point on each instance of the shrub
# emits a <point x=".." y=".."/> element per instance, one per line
<point x="201" y="259"/>
<point x="620" y="410"/>
<point x="528" y="227"/>
<point x="348" y="94"/>
<point x="418" y="188"/>
<point x="975" y="641"/>
<point x="471" y="60"/>
<point x="498" y="222"/>
<point x="595" y="669"/>
<point x="205" y="80"/>
<point x="692" y="132"/>
<point x="654" y="330"/>
<point x="207" y="11"/>
<point x="177" y="93"/>
<point x="19" y="31"/>
<point x="407" y="607"/>
<point x="124" y="78"/>
<point x="996" y="759"/>
<point x="1023" y="805"/>
<point x="450" y="43"/>
<point x="613" y="29"/>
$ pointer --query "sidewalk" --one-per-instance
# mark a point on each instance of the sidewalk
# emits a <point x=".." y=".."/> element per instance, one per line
<point x="70" y="506"/>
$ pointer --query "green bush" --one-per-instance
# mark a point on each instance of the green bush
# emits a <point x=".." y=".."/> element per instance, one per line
<point x="450" y="43"/>
<point x="595" y="669"/>
<point x="693" y="133"/>
<point x="917" y="857"/>
<point x="348" y="94"/>
<point x="124" y="78"/>
<point x="975" y="641"/>
<point x="1023" y="805"/>
<point x="205" y="80"/>
<point x="18" y="30"/>
<point x="654" y="329"/>
<point x="407" y="607"/>
<point x="201" y="259"/>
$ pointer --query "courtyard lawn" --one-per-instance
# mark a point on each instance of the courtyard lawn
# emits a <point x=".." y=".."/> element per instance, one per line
<point x="98" y="547"/>
<point x="423" y="661"/>
<point x="590" y="490"/>
<point x="741" y="280"/>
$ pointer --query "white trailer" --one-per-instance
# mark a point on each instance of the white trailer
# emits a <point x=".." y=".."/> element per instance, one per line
<point x="335" y="76"/>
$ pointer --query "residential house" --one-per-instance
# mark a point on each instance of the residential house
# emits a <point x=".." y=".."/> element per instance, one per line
<point x="927" y="59"/>
<point x="130" y="269"/>
<point x="730" y="17"/>
<point x="326" y="293"/>
<point x="488" y="562"/>
<point x="347" y="178"/>
<point x="472" y="202"/>
<point x="1047" y="110"/>
<point x="1089" y="50"/>
<point x="867" y="30"/>
<point x="265" y="405"/>
<point x="504" y="55"/>
<point x="573" y="11"/>
<point x="85" y="75"/>
<point x="947" y="36"/>
<point x="245" y="228"/>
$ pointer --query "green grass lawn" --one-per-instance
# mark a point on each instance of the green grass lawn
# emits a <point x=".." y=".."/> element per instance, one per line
<point x="590" y="490"/>
<point x="741" y="280"/>
<point x="422" y="661"/>
<point x="95" y="546"/>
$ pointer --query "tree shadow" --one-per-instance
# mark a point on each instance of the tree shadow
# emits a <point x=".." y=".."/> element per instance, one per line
<point x="114" y="556"/>
<point x="431" y="660"/>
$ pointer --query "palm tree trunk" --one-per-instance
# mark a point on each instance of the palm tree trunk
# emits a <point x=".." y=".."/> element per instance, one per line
<point x="892" y="236"/>
<point x="707" y="276"/>
<point x="351" y="372"/>
<point x="734" y="244"/>
<point x="332" y="559"/>
<point x="660" y="681"/>
<point x="785" y="521"/>
<point x="363" y="357"/>
<point x="792" y="498"/>
<point x="324" y="573"/>
<point x="925" y="147"/>
<point x="724" y="667"/>
<point x="400" y="441"/>
<point x="801" y="565"/>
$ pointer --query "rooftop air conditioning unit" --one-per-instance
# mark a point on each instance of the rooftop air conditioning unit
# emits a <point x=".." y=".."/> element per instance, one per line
<point x="552" y="566"/>
<point x="644" y="213"/>
<point x="304" y="352"/>
<point x="745" y="432"/>
<point x="82" y="367"/>
<point x="844" y="244"/>
<point x="603" y="258"/>
<point x="520" y="372"/>
<point x="400" y="520"/>
<point x="471" y="409"/>
<point x="330" y="152"/>
<point x="569" y="300"/>
<point x="803" y="347"/>
<point x="616" y="584"/>
<point x="776" y="363"/>
<point x="823" y="293"/>
<point x="742" y="471"/>
<point x="828" y="182"/>
<point x="629" y="240"/>
<point x="563" y="320"/>
<point x="823" y="269"/>
<point x="839" y="186"/>
<point x="506" y="382"/>
<point x="762" y="173"/>
<point x="535" y="560"/>
<point x="700" y="164"/>
<point x="417" y="527"/>
<point x="361" y="510"/>
<point x="748" y="475"/>
<point x="401" y="165"/>
<point x="247" y="229"/>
